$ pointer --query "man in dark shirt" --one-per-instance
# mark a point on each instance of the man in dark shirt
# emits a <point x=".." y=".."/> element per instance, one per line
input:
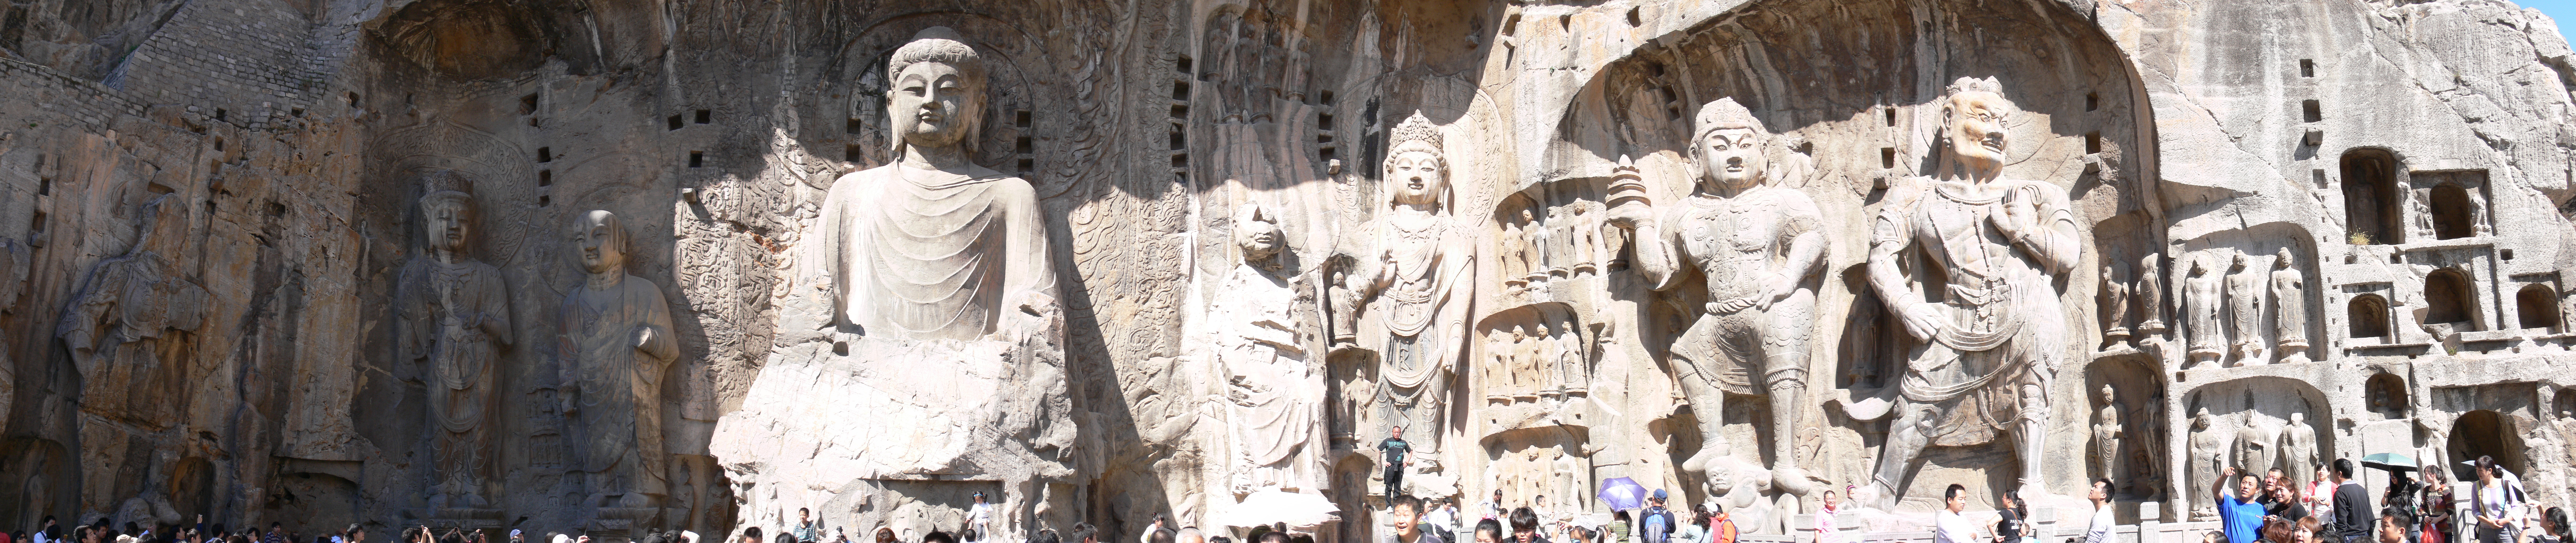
<point x="2351" y="505"/>
<point x="1395" y="449"/>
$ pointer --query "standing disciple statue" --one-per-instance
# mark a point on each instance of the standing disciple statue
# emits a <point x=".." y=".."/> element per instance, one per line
<point x="2200" y="306"/>
<point x="2289" y="310"/>
<point x="2245" y="312"/>
<point x="1756" y="248"/>
<point x="1419" y="281"/>
<point x="1997" y="332"/>
<point x="2107" y="431"/>
<point x="2151" y="295"/>
<point x="2299" y="446"/>
<point x="2115" y="302"/>
<point x="1274" y="392"/>
<point x="2208" y="457"/>
<point x="455" y="317"/>
<point x="934" y="246"/>
<point x="615" y="343"/>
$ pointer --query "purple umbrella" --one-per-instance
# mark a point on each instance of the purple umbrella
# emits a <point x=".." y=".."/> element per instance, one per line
<point x="1622" y="493"/>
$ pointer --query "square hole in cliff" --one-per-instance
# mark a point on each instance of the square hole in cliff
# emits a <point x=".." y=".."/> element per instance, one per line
<point x="1181" y="64"/>
<point x="2092" y="101"/>
<point x="1887" y="157"/>
<point x="545" y="154"/>
<point x="852" y="153"/>
<point x="528" y="104"/>
<point x="2092" y="142"/>
<point x="705" y="116"/>
<point x="854" y="126"/>
<point x="545" y="177"/>
<point x="2311" y="111"/>
<point x="675" y="123"/>
<point x="2307" y="67"/>
<point x="697" y="159"/>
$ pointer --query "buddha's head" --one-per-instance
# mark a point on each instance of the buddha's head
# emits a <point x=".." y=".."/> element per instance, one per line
<point x="935" y="91"/>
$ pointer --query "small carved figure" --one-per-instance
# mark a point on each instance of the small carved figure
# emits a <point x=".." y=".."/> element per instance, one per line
<point x="2115" y="302"/>
<point x="1756" y="245"/>
<point x="1544" y="246"/>
<point x="2253" y="446"/>
<point x="1559" y="239"/>
<point x="1995" y="333"/>
<point x="1526" y="379"/>
<point x="1570" y="352"/>
<point x="615" y="340"/>
<point x="2201" y="305"/>
<point x="2150" y="298"/>
<point x="1590" y="250"/>
<point x="1516" y="251"/>
<point x="1507" y="355"/>
<point x="1573" y="477"/>
<point x="2208" y="457"/>
<point x="2289" y="309"/>
<point x="455" y="318"/>
<point x="2107" y="433"/>
<point x="1532" y="250"/>
<point x="2245" y="311"/>
<point x="2299" y="446"/>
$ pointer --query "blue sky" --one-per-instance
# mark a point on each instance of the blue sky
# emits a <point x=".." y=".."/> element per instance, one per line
<point x="2562" y="10"/>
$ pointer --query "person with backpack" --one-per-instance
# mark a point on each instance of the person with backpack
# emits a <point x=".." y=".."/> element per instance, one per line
<point x="1720" y="528"/>
<point x="1658" y="522"/>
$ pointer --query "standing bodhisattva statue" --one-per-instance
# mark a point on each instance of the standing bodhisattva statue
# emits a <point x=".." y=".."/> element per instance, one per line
<point x="934" y="246"/>
<point x="1995" y="336"/>
<point x="1419" y="282"/>
<point x="455" y="316"/>
<point x="1756" y="246"/>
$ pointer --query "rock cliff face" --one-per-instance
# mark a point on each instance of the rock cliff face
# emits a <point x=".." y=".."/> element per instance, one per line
<point x="334" y="261"/>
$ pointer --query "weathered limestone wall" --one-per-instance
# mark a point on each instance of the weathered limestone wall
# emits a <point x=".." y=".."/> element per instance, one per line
<point x="266" y="368"/>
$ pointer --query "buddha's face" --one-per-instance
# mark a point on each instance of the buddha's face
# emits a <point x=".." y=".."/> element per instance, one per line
<point x="596" y="234"/>
<point x="1418" y="177"/>
<point x="1731" y="158"/>
<point x="448" y="224"/>
<point x="1976" y="130"/>
<point x="1260" y="240"/>
<point x="931" y="104"/>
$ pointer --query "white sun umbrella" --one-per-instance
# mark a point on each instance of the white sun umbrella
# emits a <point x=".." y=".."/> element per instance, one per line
<point x="1271" y="505"/>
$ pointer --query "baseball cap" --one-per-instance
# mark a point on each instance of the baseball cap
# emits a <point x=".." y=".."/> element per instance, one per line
<point x="1659" y="493"/>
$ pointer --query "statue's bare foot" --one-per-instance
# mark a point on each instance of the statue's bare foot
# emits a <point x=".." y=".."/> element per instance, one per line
<point x="1708" y="454"/>
<point x="1792" y="480"/>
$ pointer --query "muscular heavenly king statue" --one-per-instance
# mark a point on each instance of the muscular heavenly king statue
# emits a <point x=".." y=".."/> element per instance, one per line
<point x="1755" y="246"/>
<point x="1996" y="333"/>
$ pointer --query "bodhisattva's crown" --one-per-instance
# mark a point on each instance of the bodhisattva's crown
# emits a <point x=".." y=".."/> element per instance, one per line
<point x="1416" y="128"/>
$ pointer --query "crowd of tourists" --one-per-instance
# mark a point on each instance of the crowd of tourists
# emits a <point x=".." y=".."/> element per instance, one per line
<point x="52" y="530"/>
<point x="2269" y="507"/>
